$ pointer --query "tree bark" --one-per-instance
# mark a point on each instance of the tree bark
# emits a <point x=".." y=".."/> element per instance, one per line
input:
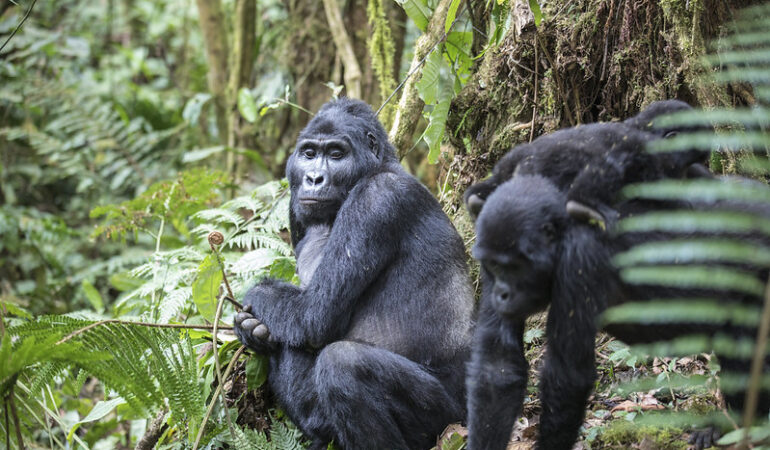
<point x="344" y="49"/>
<point x="212" y="23"/>
<point x="588" y="61"/>
<point x="410" y="106"/>
<point x="244" y="40"/>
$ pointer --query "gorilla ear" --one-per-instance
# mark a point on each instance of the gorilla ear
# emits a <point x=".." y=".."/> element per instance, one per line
<point x="586" y="214"/>
<point x="373" y="144"/>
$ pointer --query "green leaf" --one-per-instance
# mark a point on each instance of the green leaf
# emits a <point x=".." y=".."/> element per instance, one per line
<point x="247" y="106"/>
<point x="533" y="5"/>
<point x="206" y="287"/>
<point x="756" y="435"/>
<point x="429" y="85"/>
<point x="99" y="410"/>
<point x="683" y="251"/>
<point x="701" y="190"/>
<point x="123" y="281"/>
<point x="192" y="110"/>
<point x="256" y="371"/>
<point x="418" y="11"/>
<point x="93" y="295"/>
<point x="696" y="222"/>
<point x="451" y="14"/>
<point x="702" y="277"/>
<point x="201" y="153"/>
<point x="434" y="133"/>
<point x="15" y="310"/>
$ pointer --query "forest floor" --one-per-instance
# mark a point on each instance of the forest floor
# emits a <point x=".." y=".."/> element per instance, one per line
<point x="612" y="414"/>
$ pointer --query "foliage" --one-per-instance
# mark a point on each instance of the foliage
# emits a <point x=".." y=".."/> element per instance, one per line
<point x="732" y="208"/>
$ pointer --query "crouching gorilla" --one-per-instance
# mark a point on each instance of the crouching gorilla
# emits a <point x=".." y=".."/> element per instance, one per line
<point x="561" y="155"/>
<point x="369" y="352"/>
<point x="537" y="251"/>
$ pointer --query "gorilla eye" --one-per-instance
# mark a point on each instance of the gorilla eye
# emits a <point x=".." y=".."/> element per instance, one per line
<point x="336" y="153"/>
<point x="308" y="153"/>
<point x="549" y="231"/>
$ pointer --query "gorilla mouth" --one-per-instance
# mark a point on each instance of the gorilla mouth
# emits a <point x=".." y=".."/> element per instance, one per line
<point x="312" y="200"/>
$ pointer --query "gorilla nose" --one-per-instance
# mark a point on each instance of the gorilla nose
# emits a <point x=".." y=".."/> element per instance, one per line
<point x="502" y="291"/>
<point x="314" y="179"/>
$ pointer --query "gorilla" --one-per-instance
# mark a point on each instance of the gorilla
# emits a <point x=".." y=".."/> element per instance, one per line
<point x="369" y="351"/>
<point x="536" y="252"/>
<point x="561" y="155"/>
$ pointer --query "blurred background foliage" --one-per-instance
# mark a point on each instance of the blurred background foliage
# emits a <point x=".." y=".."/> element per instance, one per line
<point x="132" y="129"/>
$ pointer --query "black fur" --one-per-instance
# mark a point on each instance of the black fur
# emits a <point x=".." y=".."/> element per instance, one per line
<point x="535" y="255"/>
<point x="561" y="155"/>
<point x="370" y="351"/>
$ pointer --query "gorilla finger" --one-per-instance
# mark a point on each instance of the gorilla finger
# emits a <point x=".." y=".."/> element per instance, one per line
<point x="247" y="309"/>
<point x="241" y="316"/>
<point x="249" y="325"/>
<point x="261" y="332"/>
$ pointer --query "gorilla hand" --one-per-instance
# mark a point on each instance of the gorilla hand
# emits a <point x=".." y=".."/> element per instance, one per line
<point x="251" y="332"/>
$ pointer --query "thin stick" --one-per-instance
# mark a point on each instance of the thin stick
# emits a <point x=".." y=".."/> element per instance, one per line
<point x="7" y="426"/>
<point x="141" y="324"/>
<point x="214" y="397"/>
<point x="534" y="103"/>
<point x="15" y="416"/>
<point x="216" y="238"/>
<point x="757" y="363"/>
<point x="18" y="27"/>
<point x="218" y="367"/>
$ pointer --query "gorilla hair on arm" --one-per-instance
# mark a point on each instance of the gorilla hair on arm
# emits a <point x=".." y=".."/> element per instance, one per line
<point x="369" y="351"/>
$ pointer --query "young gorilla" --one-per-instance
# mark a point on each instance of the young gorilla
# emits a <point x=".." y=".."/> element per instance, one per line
<point x="561" y="155"/>
<point x="369" y="352"/>
<point x="534" y="253"/>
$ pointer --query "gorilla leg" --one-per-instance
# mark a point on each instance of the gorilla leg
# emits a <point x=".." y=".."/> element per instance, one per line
<point x="566" y="380"/>
<point x="363" y="397"/>
<point x="497" y="380"/>
<point x="377" y="399"/>
<point x="291" y="372"/>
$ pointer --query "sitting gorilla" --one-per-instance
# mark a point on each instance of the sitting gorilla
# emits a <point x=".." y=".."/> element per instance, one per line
<point x="370" y="351"/>
<point x="561" y="155"/>
<point x="536" y="252"/>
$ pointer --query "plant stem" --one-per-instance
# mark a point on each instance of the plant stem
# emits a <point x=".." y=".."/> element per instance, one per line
<point x="214" y="397"/>
<point x="142" y="324"/>
<point x="757" y="363"/>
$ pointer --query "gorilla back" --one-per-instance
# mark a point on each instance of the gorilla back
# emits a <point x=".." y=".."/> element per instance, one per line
<point x="370" y="351"/>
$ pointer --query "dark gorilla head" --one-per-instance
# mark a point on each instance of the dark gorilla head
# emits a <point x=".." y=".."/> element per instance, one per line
<point x="517" y="242"/>
<point x="343" y="143"/>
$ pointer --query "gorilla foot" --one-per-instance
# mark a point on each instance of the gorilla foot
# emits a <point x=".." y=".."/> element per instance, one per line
<point x="704" y="438"/>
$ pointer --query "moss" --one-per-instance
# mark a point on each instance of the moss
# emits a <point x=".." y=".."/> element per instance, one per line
<point x="623" y="434"/>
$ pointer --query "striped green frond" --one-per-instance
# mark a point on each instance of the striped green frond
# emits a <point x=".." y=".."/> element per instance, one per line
<point x="696" y="222"/>
<point x="684" y="251"/>
<point x="690" y="310"/>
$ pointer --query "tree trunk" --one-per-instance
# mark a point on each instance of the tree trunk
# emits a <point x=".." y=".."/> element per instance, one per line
<point x="344" y="48"/>
<point x="244" y="45"/>
<point x="214" y="30"/>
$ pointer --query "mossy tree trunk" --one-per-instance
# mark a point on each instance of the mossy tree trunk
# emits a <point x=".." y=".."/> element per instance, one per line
<point x="214" y="29"/>
<point x="589" y="60"/>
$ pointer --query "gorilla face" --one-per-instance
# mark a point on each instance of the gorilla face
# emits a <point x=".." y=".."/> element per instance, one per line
<point x="517" y="243"/>
<point x="343" y="143"/>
